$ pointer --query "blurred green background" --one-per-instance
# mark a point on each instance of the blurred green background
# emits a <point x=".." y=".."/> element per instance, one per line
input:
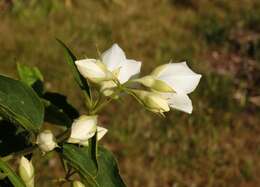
<point x="219" y="144"/>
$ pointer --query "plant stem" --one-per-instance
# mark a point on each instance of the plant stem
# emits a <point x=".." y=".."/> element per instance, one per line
<point x="63" y="136"/>
<point x="102" y="105"/>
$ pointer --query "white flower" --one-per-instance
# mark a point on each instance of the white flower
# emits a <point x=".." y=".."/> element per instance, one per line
<point x="116" y="61"/>
<point x="46" y="141"/>
<point x="77" y="184"/>
<point x="113" y="66"/>
<point x="26" y="172"/>
<point x="173" y="81"/>
<point x="152" y="101"/>
<point x="101" y="131"/>
<point x="94" y="70"/>
<point x="85" y="128"/>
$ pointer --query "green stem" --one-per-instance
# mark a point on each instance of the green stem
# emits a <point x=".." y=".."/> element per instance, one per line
<point x="120" y="89"/>
<point x="70" y="174"/>
<point x="63" y="136"/>
<point x="101" y="106"/>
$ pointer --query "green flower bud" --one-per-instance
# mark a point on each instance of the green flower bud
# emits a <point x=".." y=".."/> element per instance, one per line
<point x="152" y="101"/>
<point x="26" y="172"/>
<point x="77" y="184"/>
<point x="155" y="84"/>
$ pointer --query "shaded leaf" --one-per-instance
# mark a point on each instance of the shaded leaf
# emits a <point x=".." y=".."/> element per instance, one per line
<point x="107" y="174"/>
<point x="57" y="109"/>
<point x="61" y="102"/>
<point x="80" y="159"/>
<point x="70" y="59"/>
<point x="93" y="149"/>
<point x="12" y="139"/>
<point x="20" y="104"/>
<point x="55" y="115"/>
<point x="5" y="183"/>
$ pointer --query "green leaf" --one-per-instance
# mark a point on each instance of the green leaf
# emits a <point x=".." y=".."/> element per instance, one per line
<point x="57" y="109"/>
<point x="93" y="149"/>
<point x="61" y="102"/>
<point x="31" y="76"/>
<point x="108" y="173"/>
<point x="55" y="115"/>
<point x="15" y="180"/>
<point x="70" y="59"/>
<point x="20" y="104"/>
<point x="80" y="159"/>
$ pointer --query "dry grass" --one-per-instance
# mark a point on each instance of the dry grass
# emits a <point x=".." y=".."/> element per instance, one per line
<point x="218" y="145"/>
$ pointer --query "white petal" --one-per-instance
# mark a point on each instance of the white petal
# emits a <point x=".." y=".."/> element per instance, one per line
<point x="90" y="69"/>
<point x="179" y="101"/>
<point x="83" y="128"/>
<point x="128" y="70"/>
<point x="101" y="131"/>
<point x="180" y="77"/>
<point x="114" y="57"/>
<point x="46" y="141"/>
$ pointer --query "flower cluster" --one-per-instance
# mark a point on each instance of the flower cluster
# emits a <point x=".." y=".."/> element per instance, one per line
<point x="168" y="85"/>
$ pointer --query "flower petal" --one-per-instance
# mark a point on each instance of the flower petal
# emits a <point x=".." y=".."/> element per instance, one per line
<point x="179" y="101"/>
<point x="114" y="57"/>
<point x="83" y="128"/>
<point x="180" y="77"/>
<point x="128" y="70"/>
<point x="89" y="68"/>
<point x="101" y="131"/>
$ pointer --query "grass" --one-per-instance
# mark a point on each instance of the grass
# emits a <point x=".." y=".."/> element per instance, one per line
<point x="218" y="145"/>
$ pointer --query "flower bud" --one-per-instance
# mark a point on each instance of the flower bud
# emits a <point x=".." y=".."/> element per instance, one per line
<point x="107" y="87"/>
<point x="155" y="84"/>
<point x="152" y="101"/>
<point x="46" y="141"/>
<point x="26" y="172"/>
<point x="94" y="70"/>
<point x="83" y="129"/>
<point x="77" y="184"/>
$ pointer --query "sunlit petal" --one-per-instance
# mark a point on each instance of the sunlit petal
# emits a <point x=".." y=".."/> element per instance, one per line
<point x="113" y="58"/>
<point x="180" y="77"/>
<point x="130" y="69"/>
